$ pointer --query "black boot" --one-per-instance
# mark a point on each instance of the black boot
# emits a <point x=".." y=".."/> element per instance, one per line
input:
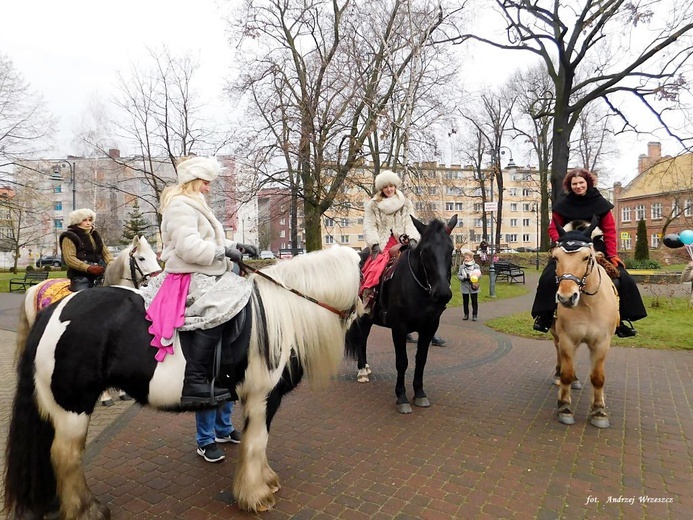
<point x="474" y="317"/>
<point x="437" y="341"/>
<point x="466" y="317"/>
<point x="626" y="330"/>
<point x="200" y="348"/>
<point x="543" y="322"/>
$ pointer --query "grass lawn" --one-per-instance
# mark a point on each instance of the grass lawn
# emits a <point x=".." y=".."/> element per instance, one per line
<point x="503" y="290"/>
<point x="666" y="327"/>
<point x="6" y="277"/>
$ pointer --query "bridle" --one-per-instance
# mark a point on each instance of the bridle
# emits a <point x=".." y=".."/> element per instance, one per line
<point x="135" y="269"/>
<point x="573" y="246"/>
<point x="426" y="287"/>
<point x="344" y="315"/>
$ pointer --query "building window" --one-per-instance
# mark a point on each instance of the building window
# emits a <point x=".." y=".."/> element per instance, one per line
<point x="282" y="233"/>
<point x="459" y="206"/>
<point x="526" y="192"/>
<point x="688" y="208"/>
<point x="344" y="222"/>
<point x="329" y="222"/>
<point x="58" y="206"/>
<point x="345" y="239"/>
<point x="625" y="214"/>
<point x="513" y="222"/>
<point x="478" y="222"/>
<point x="282" y="221"/>
<point x="526" y="206"/>
<point x="58" y="223"/>
<point x="674" y="208"/>
<point x="654" y="240"/>
<point x="656" y="211"/>
<point x="359" y="221"/>
<point x="478" y="207"/>
<point x="433" y="190"/>
<point x="329" y="239"/>
<point x="525" y="222"/>
<point x="360" y="238"/>
<point x="640" y="212"/>
<point x="512" y="192"/>
<point x="58" y="189"/>
<point x="511" y="238"/>
<point x="525" y="237"/>
<point x="449" y="206"/>
<point x="513" y="206"/>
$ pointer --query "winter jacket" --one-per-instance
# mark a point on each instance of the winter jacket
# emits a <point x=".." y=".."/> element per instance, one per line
<point x="193" y="238"/>
<point x="463" y="275"/>
<point x="388" y="216"/>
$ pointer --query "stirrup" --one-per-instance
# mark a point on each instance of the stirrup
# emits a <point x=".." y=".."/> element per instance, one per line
<point x="626" y="330"/>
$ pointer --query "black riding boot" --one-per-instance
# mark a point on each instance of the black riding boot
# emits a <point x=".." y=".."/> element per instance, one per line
<point x="200" y="348"/>
<point x="543" y="322"/>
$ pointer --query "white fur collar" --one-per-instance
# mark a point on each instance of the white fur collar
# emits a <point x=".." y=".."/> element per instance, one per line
<point x="392" y="204"/>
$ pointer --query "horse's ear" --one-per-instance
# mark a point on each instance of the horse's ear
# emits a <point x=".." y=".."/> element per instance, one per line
<point x="560" y="229"/>
<point x="451" y="224"/>
<point x="420" y="226"/>
<point x="135" y="241"/>
<point x="593" y="225"/>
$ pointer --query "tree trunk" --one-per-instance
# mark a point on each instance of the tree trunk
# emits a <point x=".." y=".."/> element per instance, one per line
<point x="312" y="224"/>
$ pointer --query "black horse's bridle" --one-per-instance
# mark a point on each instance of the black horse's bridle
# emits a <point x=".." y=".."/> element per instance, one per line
<point x="573" y="246"/>
<point x="426" y="287"/>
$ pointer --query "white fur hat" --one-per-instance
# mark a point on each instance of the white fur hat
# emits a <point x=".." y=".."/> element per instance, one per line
<point x="79" y="215"/>
<point x="205" y="168"/>
<point x="387" y="178"/>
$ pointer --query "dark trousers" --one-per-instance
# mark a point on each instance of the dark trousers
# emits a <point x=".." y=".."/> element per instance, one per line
<point x="631" y="306"/>
<point x="475" y="303"/>
<point x="79" y="283"/>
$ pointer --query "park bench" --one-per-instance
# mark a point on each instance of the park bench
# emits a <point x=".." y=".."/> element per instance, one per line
<point x="30" y="278"/>
<point x="509" y="272"/>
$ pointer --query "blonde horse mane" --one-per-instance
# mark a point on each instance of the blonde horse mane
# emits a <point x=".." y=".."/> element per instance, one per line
<point x="295" y="325"/>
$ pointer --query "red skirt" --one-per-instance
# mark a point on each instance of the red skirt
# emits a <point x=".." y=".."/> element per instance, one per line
<point x="374" y="267"/>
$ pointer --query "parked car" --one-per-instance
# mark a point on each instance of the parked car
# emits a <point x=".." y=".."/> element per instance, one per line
<point x="266" y="255"/>
<point x="53" y="261"/>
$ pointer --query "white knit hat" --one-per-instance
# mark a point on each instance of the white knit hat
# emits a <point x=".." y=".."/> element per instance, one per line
<point x="205" y="168"/>
<point x="79" y="215"/>
<point x="387" y="178"/>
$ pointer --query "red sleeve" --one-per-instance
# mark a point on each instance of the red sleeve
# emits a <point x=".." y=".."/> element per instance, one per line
<point x="608" y="227"/>
<point x="553" y="232"/>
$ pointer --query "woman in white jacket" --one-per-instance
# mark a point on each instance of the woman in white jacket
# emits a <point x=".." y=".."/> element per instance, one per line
<point x="199" y="292"/>
<point x="387" y="216"/>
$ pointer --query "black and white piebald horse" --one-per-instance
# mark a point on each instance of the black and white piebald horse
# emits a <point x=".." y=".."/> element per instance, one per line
<point x="96" y="339"/>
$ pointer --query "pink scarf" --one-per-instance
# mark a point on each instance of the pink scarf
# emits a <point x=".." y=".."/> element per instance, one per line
<point x="167" y="312"/>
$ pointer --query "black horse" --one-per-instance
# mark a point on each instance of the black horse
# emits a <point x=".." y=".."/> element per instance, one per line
<point x="412" y="300"/>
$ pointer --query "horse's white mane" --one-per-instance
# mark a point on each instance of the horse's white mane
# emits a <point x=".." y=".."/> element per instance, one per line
<point x="294" y="324"/>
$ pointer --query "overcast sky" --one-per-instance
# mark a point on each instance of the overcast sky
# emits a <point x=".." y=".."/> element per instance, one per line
<point x="70" y="52"/>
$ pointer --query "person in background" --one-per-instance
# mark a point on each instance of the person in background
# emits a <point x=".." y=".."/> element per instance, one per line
<point x="582" y="202"/>
<point x="387" y="216"/>
<point x="214" y="427"/>
<point x="470" y="287"/>
<point x="83" y="250"/>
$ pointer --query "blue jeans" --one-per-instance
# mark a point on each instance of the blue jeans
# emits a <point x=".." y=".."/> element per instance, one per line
<point x="215" y="422"/>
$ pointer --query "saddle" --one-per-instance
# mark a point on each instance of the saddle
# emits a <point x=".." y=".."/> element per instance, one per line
<point x="231" y="353"/>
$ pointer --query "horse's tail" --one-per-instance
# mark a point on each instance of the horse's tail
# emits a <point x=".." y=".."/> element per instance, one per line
<point x="23" y="328"/>
<point x="30" y="485"/>
<point x="353" y="339"/>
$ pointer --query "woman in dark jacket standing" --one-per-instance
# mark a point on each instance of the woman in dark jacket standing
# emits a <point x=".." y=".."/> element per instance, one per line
<point x="83" y="250"/>
<point x="582" y="202"/>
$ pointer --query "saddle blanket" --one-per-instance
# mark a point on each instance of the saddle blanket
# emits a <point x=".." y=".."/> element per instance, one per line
<point x="51" y="291"/>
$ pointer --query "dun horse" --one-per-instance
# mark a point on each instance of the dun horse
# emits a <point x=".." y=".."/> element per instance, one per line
<point x="412" y="300"/>
<point x="587" y="313"/>
<point x="96" y="339"/>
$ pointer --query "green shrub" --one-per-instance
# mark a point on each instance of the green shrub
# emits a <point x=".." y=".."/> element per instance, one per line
<point x="29" y="268"/>
<point x="642" y="264"/>
<point x="48" y="268"/>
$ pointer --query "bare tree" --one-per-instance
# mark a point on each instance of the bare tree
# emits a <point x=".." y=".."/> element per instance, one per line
<point x="321" y="78"/>
<point x="25" y="124"/>
<point x="621" y="48"/>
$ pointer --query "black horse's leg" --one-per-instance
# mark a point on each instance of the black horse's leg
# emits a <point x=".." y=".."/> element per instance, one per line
<point x="424" y="342"/>
<point x="399" y="339"/>
<point x="356" y="345"/>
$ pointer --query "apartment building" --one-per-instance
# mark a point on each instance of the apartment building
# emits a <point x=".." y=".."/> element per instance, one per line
<point x="441" y="191"/>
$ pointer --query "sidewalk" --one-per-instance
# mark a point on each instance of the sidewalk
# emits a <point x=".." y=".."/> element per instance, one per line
<point x="489" y="446"/>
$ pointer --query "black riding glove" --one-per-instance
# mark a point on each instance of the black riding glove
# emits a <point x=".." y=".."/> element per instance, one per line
<point x="233" y="254"/>
<point x="247" y="249"/>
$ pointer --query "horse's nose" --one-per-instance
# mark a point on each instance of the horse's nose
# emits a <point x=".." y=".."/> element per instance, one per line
<point x="442" y="294"/>
<point x="570" y="300"/>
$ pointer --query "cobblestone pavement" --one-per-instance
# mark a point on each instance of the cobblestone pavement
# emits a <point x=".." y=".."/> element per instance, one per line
<point x="489" y="446"/>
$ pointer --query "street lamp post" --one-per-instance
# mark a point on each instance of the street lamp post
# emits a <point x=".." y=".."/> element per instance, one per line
<point x="496" y="233"/>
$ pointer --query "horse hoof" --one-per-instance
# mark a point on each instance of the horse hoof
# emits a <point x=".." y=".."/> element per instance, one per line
<point x="367" y="369"/>
<point x="600" y="422"/>
<point x="404" y="408"/>
<point x="423" y="402"/>
<point x="566" y="418"/>
<point x="124" y="397"/>
<point x="576" y="385"/>
<point x="557" y="381"/>
<point x="107" y="402"/>
<point x="362" y="379"/>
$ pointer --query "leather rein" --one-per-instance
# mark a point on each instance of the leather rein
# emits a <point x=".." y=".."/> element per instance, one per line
<point x="342" y="314"/>
<point x="426" y="287"/>
<point x="135" y="269"/>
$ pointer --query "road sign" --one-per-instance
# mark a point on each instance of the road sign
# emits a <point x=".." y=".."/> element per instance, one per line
<point x="490" y="206"/>
<point x="625" y="235"/>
